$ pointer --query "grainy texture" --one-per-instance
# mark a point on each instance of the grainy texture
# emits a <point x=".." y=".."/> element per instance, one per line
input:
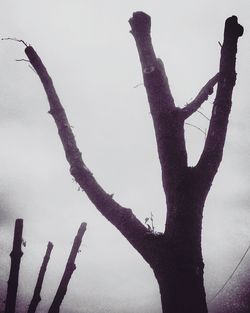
<point x="175" y="256"/>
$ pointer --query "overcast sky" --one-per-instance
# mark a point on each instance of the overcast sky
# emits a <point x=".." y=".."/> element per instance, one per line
<point x="88" y="50"/>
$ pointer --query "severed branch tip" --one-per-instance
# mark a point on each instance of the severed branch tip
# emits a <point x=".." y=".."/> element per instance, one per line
<point x="140" y="23"/>
<point x="233" y="28"/>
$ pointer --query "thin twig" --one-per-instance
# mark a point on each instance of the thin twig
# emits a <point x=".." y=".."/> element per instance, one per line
<point x="15" y="39"/>
<point x="196" y="128"/>
<point x="138" y="85"/>
<point x="24" y="60"/>
<point x="203" y="115"/>
<point x="32" y="68"/>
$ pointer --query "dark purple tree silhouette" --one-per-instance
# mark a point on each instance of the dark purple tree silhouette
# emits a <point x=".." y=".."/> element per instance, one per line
<point x="37" y="291"/>
<point x="69" y="269"/>
<point x="175" y="255"/>
<point x="15" y="255"/>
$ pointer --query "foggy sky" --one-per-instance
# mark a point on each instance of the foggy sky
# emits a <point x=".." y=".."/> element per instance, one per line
<point x="91" y="56"/>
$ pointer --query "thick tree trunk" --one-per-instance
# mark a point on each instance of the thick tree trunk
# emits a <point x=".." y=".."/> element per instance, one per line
<point x="178" y="264"/>
<point x="181" y="287"/>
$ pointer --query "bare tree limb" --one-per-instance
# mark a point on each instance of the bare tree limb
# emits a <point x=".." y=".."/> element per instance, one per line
<point x="36" y="295"/>
<point x="122" y="218"/>
<point x="155" y="79"/>
<point x="212" y="153"/>
<point x="69" y="269"/>
<point x="15" y="255"/>
<point x="168" y="120"/>
<point x="202" y="96"/>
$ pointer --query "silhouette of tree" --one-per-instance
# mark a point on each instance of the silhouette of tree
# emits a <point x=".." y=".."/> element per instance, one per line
<point x="175" y="255"/>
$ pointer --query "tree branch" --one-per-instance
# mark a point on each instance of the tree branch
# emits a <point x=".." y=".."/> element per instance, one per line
<point x="122" y="218"/>
<point x="69" y="269"/>
<point x="202" y="96"/>
<point x="167" y="119"/>
<point x="212" y="154"/>
<point x="155" y="79"/>
<point x="15" y="256"/>
<point x="37" y="291"/>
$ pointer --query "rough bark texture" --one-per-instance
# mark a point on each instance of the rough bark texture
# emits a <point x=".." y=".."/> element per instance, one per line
<point x="180" y="268"/>
<point x="36" y="296"/>
<point x="15" y="255"/>
<point x="69" y="269"/>
<point x="175" y="256"/>
<point x="122" y="218"/>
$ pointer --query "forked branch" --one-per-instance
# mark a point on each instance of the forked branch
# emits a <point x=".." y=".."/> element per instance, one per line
<point x="122" y="218"/>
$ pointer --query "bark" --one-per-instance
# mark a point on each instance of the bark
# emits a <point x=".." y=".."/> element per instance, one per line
<point x="202" y="96"/>
<point x="212" y="154"/>
<point x="179" y="268"/>
<point x="36" y="296"/>
<point x="69" y="269"/>
<point x="15" y="255"/>
<point x="122" y="218"/>
<point x="175" y="256"/>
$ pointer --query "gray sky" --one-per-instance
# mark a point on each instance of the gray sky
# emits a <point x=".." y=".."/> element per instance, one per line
<point x="89" y="52"/>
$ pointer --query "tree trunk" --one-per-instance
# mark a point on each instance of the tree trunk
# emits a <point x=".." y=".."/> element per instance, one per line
<point x="181" y="287"/>
<point x="178" y="264"/>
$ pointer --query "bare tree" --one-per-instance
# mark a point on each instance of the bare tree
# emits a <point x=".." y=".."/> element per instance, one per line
<point x="175" y="255"/>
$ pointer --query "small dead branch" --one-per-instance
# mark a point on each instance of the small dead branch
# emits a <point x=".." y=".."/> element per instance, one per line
<point x="22" y="60"/>
<point x="15" y="39"/>
<point x="32" y="68"/>
<point x="203" y="115"/>
<point x="197" y="128"/>
<point x="202" y="96"/>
